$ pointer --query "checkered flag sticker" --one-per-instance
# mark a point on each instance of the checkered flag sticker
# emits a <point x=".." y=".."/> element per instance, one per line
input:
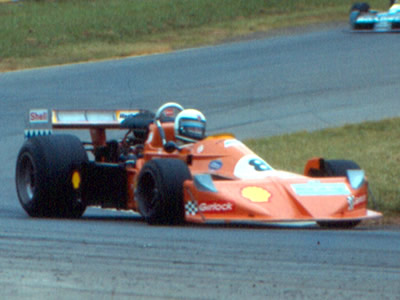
<point x="191" y="208"/>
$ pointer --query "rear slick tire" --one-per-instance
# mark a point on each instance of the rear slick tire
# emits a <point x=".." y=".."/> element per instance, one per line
<point x="43" y="176"/>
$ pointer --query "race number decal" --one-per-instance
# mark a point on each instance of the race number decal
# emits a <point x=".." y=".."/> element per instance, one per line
<point x="259" y="165"/>
<point x="251" y="167"/>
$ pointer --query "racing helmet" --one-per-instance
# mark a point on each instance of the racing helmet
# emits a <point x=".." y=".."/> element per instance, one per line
<point x="190" y="126"/>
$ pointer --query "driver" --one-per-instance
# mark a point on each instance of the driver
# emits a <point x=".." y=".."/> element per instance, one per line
<point x="190" y="126"/>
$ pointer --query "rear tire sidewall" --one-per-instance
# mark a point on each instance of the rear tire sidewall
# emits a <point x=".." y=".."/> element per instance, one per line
<point x="52" y="160"/>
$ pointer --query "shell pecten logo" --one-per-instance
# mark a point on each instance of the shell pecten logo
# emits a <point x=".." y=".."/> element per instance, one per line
<point x="256" y="194"/>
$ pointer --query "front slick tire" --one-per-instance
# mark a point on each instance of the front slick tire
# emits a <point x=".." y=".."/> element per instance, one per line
<point x="43" y="176"/>
<point x="160" y="191"/>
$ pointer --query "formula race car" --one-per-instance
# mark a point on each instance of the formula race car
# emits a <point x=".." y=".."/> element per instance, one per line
<point x="165" y="168"/>
<point x="362" y="18"/>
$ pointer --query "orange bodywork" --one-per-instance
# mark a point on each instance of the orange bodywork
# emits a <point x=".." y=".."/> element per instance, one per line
<point x="231" y="183"/>
<point x="237" y="190"/>
<point x="272" y="199"/>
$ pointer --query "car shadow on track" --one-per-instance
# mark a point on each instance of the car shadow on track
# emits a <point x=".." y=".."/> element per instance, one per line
<point x="137" y="219"/>
<point x="101" y="215"/>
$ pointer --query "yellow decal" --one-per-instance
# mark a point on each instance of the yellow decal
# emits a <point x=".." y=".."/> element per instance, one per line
<point x="76" y="180"/>
<point x="256" y="194"/>
<point x="220" y="136"/>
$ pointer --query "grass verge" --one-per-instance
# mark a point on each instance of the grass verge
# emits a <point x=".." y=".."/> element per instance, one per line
<point x="373" y="145"/>
<point x="47" y="32"/>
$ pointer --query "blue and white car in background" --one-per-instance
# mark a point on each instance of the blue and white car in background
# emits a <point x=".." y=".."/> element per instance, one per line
<point x="362" y="18"/>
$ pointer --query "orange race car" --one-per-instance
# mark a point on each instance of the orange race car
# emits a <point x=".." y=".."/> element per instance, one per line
<point x="165" y="168"/>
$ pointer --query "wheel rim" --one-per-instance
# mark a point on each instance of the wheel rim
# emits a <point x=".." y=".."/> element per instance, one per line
<point x="149" y="192"/>
<point x="26" y="180"/>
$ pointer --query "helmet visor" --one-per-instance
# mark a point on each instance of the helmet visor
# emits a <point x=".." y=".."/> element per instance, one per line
<point x="192" y="129"/>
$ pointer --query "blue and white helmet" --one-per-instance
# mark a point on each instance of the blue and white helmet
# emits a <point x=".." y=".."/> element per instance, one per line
<point x="190" y="126"/>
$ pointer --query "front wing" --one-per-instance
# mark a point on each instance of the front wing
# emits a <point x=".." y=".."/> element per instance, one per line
<point x="375" y="22"/>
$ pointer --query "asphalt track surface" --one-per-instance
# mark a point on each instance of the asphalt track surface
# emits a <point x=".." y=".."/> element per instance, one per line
<point x="300" y="81"/>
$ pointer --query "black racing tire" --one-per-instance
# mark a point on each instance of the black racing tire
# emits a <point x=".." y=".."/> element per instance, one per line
<point x="333" y="168"/>
<point x="44" y="176"/>
<point x="361" y="7"/>
<point x="354" y="14"/>
<point x="160" y="191"/>
<point x="339" y="167"/>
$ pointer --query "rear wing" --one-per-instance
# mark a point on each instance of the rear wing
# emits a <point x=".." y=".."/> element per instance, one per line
<point x="43" y="121"/>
